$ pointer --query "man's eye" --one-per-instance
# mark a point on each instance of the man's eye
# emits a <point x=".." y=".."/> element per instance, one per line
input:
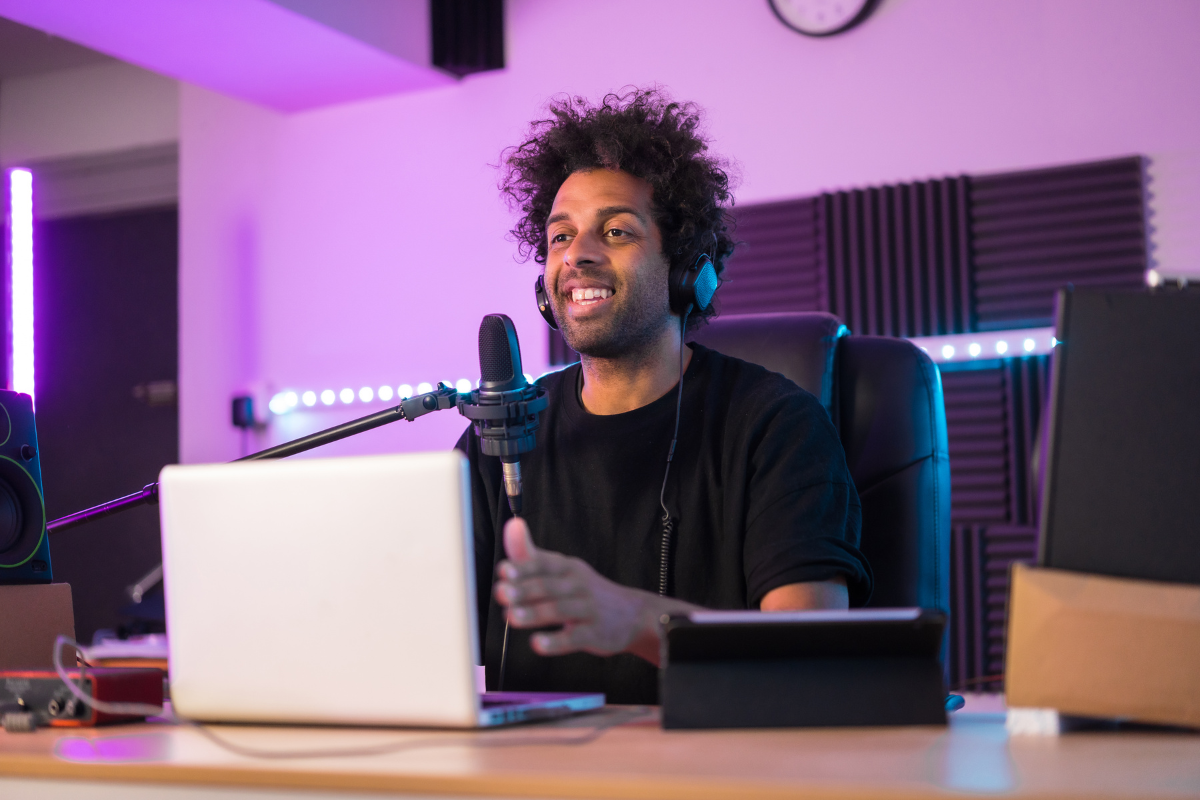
<point x="616" y="233"/>
<point x="558" y="238"/>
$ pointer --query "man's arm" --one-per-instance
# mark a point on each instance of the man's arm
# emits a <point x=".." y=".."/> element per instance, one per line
<point x="814" y="594"/>
<point x="541" y="588"/>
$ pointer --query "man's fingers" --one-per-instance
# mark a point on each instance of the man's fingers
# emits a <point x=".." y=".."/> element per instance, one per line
<point x="571" y="639"/>
<point x="540" y="563"/>
<point x="531" y="590"/>
<point x="525" y="560"/>
<point x="551" y="612"/>
<point x="545" y="565"/>
<point x="518" y="544"/>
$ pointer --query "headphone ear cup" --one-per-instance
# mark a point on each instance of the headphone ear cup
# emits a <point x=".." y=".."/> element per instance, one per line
<point x="705" y="283"/>
<point x="694" y="287"/>
<point x="543" y="302"/>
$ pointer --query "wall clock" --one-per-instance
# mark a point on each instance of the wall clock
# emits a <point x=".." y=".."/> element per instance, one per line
<point x="822" y="17"/>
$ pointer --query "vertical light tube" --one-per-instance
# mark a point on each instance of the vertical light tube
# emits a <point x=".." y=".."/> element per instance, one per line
<point x="20" y="360"/>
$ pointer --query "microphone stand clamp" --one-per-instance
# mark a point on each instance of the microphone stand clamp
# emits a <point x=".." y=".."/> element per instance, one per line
<point x="440" y="399"/>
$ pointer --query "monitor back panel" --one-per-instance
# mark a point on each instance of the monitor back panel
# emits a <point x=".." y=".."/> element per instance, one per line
<point x="322" y="591"/>
<point x="1122" y="495"/>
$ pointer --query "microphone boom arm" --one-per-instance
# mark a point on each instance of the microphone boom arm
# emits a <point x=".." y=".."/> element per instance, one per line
<point x="442" y="398"/>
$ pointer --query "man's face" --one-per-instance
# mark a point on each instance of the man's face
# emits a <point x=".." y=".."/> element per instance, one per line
<point x="605" y="269"/>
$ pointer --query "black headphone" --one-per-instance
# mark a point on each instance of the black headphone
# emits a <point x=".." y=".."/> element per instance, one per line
<point x="543" y="301"/>
<point x="690" y="289"/>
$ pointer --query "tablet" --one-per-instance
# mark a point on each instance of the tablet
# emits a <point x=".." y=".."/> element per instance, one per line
<point x="852" y="633"/>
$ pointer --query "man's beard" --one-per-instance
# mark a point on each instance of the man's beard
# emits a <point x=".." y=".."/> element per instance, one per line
<point x="635" y="322"/>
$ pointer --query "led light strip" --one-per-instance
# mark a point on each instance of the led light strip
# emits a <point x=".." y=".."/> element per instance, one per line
<point x="959" y="347"/>
<point x="291" y="399"/>
<point x="966" y="347"/>
<point x="20" y="182"/>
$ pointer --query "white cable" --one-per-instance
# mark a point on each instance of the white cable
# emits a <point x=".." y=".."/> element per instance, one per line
<point x="136" y="709"/>
<point x="589" y="735"/>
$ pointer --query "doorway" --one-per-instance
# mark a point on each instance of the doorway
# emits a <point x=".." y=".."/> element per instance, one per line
<point x="106" y="363"/>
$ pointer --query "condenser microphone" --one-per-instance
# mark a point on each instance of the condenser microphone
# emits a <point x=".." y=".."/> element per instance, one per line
<point x="506" y="407"/>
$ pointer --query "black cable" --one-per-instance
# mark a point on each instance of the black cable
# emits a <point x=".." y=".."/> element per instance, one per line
<point x="668" y="522"/>
<point x="503" y="659"/>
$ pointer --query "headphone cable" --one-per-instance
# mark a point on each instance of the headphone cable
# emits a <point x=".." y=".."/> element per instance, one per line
<point x="668" y="522"/>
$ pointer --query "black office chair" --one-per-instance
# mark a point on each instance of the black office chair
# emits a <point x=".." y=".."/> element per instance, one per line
<point x="885" y="398"/>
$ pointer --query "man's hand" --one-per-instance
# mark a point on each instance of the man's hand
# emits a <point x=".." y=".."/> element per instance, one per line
<point x="541" y="588"/>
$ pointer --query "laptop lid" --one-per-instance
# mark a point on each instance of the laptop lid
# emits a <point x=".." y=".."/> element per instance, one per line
<point x="1122" y="493"/>
<point x="322" y="590"/>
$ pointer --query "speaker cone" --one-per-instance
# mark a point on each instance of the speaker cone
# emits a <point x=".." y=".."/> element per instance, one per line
<point x="10" y="518"/>
<point x="22" y="514"/>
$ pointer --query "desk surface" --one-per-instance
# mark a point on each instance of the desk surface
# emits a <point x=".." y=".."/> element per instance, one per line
<point x="622" y="753"/>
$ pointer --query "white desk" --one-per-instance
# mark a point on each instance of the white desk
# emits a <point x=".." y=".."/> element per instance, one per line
<point x="635" y="758"/>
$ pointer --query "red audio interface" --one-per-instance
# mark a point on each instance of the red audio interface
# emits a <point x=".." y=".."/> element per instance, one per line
<point x="42" y="693"/>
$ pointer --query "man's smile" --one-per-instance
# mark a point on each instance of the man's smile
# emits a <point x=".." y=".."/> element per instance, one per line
<point x="585" y="295"/>
<point x="590" y="297"/>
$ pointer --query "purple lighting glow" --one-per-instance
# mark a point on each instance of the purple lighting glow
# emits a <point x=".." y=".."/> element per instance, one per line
<point x="20" y="182"/>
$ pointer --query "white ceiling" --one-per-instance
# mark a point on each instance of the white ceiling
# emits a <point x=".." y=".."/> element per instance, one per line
<point x="268" y="52"/>
<point x="27" y="51"/>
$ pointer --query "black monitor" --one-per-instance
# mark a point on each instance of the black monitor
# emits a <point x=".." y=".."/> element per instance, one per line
<point x="1122" y="492"/>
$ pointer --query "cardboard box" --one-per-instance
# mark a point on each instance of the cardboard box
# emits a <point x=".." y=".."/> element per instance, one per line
<point x="31" y="617"/>
<point x="1096" y="646"/>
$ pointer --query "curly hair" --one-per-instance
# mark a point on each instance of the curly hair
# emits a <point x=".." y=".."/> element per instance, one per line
<point x="641" y="132"/>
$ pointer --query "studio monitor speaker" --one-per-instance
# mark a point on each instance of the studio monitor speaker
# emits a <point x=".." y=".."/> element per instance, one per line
<point x="24" y="548"/>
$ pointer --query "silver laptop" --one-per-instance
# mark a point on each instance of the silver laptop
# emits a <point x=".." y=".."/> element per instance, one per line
<point x="336" y="591"/>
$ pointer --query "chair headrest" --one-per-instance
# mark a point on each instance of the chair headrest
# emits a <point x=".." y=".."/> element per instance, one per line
<point x="799" y="345"/>
<point x="889" y="406"/>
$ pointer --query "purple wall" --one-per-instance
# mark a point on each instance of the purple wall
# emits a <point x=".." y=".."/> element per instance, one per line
<point x="361" y="243"/>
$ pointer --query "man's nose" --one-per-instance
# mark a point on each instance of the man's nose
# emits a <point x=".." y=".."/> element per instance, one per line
<point x="583" y="251"/>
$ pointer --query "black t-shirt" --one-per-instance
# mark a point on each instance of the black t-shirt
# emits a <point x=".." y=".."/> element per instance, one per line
<point x="758" y="483"/>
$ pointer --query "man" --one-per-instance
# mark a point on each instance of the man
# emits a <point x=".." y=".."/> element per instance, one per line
<point x="615" y="198"/>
